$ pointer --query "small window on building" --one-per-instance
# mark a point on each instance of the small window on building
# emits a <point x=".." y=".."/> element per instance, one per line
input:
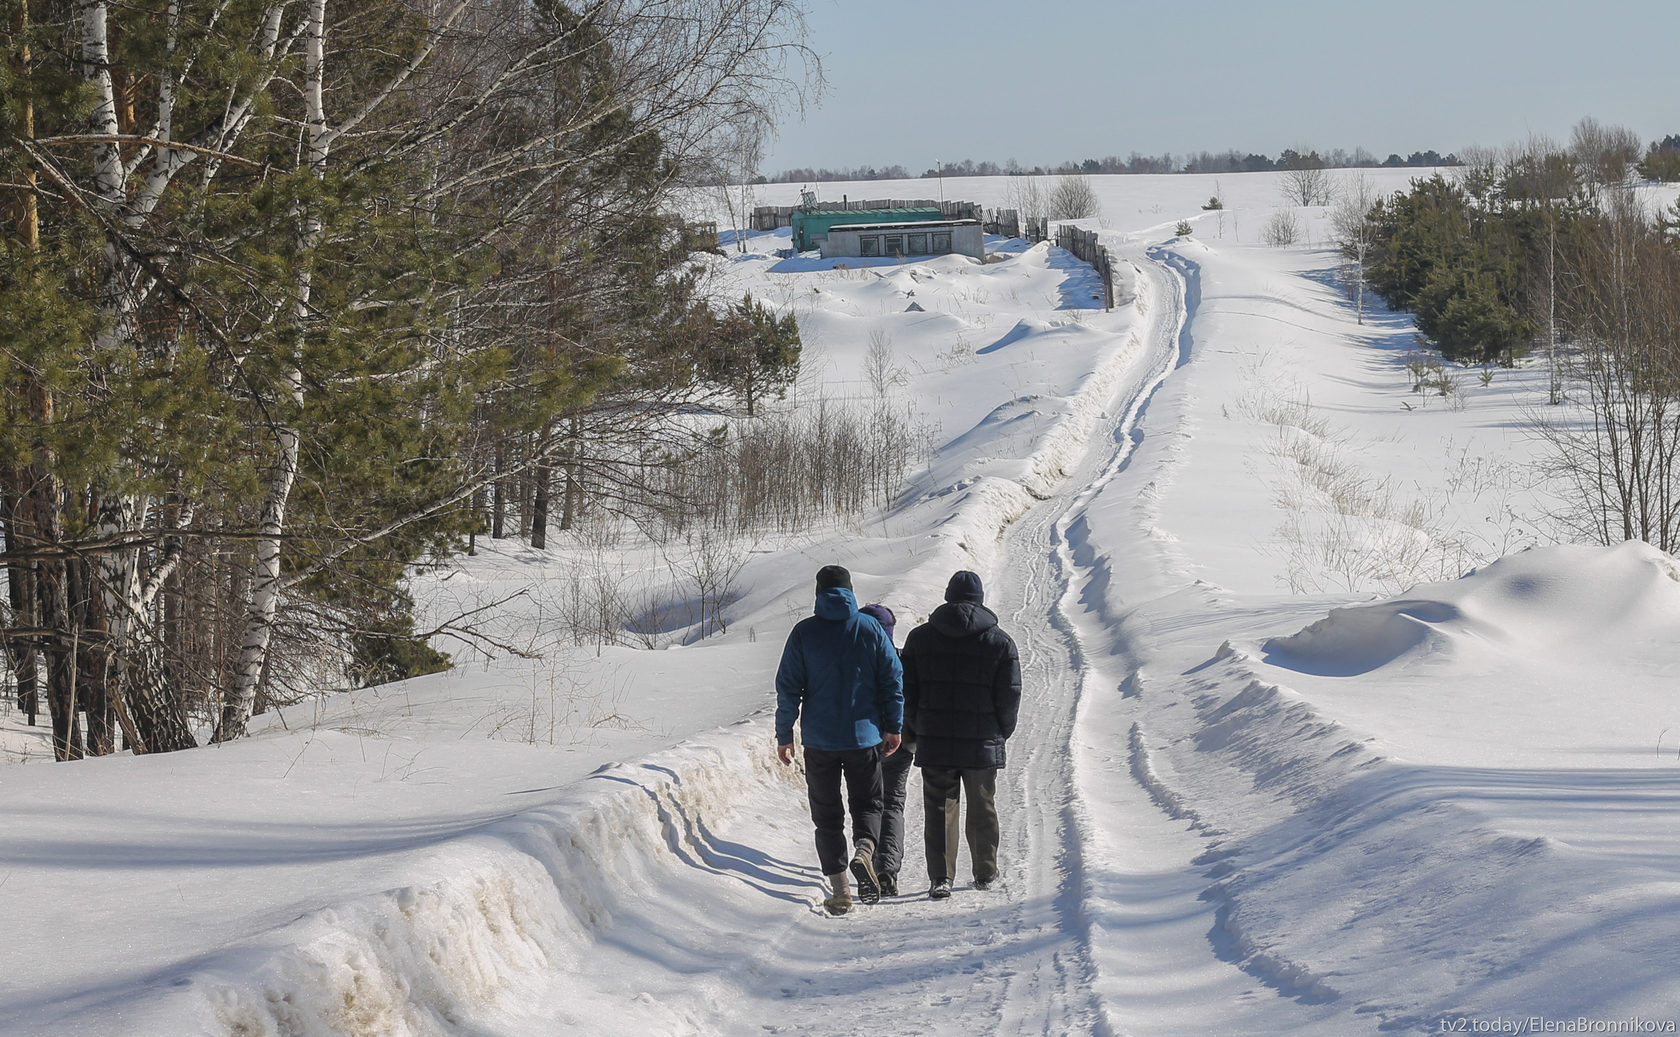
<point x="918" y="244"/>
<point x="941" y="244"/>
<point x="895" y="245"/>
<point x="869" y="246"/>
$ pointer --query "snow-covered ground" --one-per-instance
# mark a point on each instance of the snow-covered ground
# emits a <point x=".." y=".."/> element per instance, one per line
<point x="1323" y="733"/>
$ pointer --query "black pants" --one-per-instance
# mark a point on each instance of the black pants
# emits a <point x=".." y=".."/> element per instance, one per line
<point x="895" y="785"/>
<point x="861" y="771"/>
<point x="941" y="803"/>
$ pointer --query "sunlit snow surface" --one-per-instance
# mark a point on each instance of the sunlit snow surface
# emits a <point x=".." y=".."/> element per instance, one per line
<point x="1323" y="731"/>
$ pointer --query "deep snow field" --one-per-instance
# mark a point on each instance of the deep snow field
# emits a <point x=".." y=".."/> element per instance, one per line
<point x="1324" y="732"/>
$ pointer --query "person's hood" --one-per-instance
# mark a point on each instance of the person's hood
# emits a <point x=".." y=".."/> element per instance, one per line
<point x="962" y="619"/>
<point x="836" y="603"/>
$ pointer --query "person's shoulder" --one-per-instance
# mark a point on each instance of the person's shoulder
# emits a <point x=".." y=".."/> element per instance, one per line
<point x="920" y="632"/>
<point x="800" y="628"/>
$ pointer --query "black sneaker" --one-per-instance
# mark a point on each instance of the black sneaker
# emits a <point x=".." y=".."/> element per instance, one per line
<point x="888" y="884"/>
<point x="863" y="869"/>
<point x="940" y="890"/>
<point x="984" y="884"/>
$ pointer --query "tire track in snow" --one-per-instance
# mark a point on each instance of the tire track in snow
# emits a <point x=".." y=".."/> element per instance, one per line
<point x="1053" y="636"/>
<point x="1159" y="948"/>
<point x="1047" y="823"/>
<point x="1021" y="955"/>
<point x="1045" y="827"/>
<point x="1016" y="960"/>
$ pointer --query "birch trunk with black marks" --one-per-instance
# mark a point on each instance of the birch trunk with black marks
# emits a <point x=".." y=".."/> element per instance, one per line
<point x="268" y="584"/>
<point x="264" y="601"/>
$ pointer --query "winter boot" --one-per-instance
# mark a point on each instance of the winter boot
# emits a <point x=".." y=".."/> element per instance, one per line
<point x="888" y="884"/>
<point x="839" y="901"/>
<point x="940" y="889"/>
<point x="863" y="869"/>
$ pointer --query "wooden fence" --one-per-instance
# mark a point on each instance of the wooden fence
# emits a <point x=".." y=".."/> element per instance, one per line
<point x="1004" y="223"/>
<point x="1084" y="244"/>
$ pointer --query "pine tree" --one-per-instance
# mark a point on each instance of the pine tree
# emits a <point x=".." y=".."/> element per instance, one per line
<point x="283" y="278"/>
<point x="753" y="352"/>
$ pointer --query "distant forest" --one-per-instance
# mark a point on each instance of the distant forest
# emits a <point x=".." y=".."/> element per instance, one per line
<point x="1200" y="162"/>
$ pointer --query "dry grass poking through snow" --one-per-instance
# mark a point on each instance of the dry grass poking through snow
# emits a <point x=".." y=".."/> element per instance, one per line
<point x="1346" y="528"/>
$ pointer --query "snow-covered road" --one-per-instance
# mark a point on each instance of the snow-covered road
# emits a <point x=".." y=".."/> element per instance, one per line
<point x="1035" y="955"/>
<point x="1309" y="744"/>
<point x="1102" y="923"/>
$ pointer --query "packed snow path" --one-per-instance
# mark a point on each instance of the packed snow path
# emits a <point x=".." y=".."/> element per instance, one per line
<point x="1298" y="757"/>
<point x="1093" y="929"/>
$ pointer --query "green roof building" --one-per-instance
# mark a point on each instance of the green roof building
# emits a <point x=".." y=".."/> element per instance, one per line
<point x="811" y="226"/>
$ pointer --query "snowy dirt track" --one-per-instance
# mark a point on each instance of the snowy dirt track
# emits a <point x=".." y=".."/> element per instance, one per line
<point x="1319" y="735"/>
<point x="1034" y="955"/>
<point x="1102" y="923"/>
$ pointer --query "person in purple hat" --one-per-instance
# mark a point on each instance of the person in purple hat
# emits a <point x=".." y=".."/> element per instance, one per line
<point x="962" y="692"/>
<point x="895" y="784"/>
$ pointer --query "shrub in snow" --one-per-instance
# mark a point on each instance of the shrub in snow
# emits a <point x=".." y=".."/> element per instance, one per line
<point x="1282" y="230"/>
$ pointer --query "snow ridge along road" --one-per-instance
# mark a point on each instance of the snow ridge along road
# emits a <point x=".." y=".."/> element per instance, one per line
<point x="1017" y="959"/>
<point x="1150" y="882"/>
<point x="676" y="895"/>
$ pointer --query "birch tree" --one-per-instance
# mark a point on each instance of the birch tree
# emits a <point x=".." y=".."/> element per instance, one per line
<point x="1355" y="234"/>
<point x="279" y="245"/>
<point x="1621" y="463"/>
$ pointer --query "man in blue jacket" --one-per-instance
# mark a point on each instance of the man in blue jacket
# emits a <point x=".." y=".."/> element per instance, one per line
<point x="841" y="679"/>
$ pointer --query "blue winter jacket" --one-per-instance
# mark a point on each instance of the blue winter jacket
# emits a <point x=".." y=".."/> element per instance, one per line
<point x="840" y="677"/>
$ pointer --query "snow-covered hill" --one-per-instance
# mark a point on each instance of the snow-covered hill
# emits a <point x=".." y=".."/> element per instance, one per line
<point x="1322" y="733"/>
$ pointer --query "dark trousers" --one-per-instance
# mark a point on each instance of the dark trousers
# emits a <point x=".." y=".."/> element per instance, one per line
<point x="861" y="771"/>
<point x="942" y="790"/>
<point x="895" y="784"/>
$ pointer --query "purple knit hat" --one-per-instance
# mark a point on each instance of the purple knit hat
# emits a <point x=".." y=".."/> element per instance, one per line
<point x="882" y="614"/>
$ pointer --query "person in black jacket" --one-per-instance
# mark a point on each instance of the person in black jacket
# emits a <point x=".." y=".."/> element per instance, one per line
<point x="962" y="691"/>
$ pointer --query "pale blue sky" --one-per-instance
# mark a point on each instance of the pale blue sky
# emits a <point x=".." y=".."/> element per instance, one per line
<point x="1046" y="81"/>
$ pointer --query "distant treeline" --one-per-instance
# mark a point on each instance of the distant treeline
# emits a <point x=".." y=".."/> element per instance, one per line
<point x="1200" y="162"/>
<point x="1661" y="162"/>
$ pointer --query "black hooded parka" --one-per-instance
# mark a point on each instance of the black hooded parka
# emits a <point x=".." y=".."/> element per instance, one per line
<point x="962" y="687"/>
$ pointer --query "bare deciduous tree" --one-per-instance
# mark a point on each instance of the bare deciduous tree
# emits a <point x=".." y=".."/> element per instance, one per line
<point x="878" y="364"/>
<point x="1026" y="195"/>
<point x="1621" y="463"/>
<point x="1073" y="198"/>
<point x="1282" y="228"/>
<point x="1305" y="181"/>
<point x="1604" y="154"/>
<point x="1354" y="233"/>
<point x="1539" y="177"/>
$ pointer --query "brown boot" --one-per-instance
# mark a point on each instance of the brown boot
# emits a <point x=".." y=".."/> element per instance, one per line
<point x="863" y="869"/>
<point x="840" y="901"/>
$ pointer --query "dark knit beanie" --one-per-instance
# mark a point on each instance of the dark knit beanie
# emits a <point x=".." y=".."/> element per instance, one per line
<point x="965" y="586"/>
<point x="882" y="614"/>
<point x="833" y="576"/>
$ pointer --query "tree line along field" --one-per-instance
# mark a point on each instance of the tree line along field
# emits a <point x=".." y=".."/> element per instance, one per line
<point x="284" y="314"/>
